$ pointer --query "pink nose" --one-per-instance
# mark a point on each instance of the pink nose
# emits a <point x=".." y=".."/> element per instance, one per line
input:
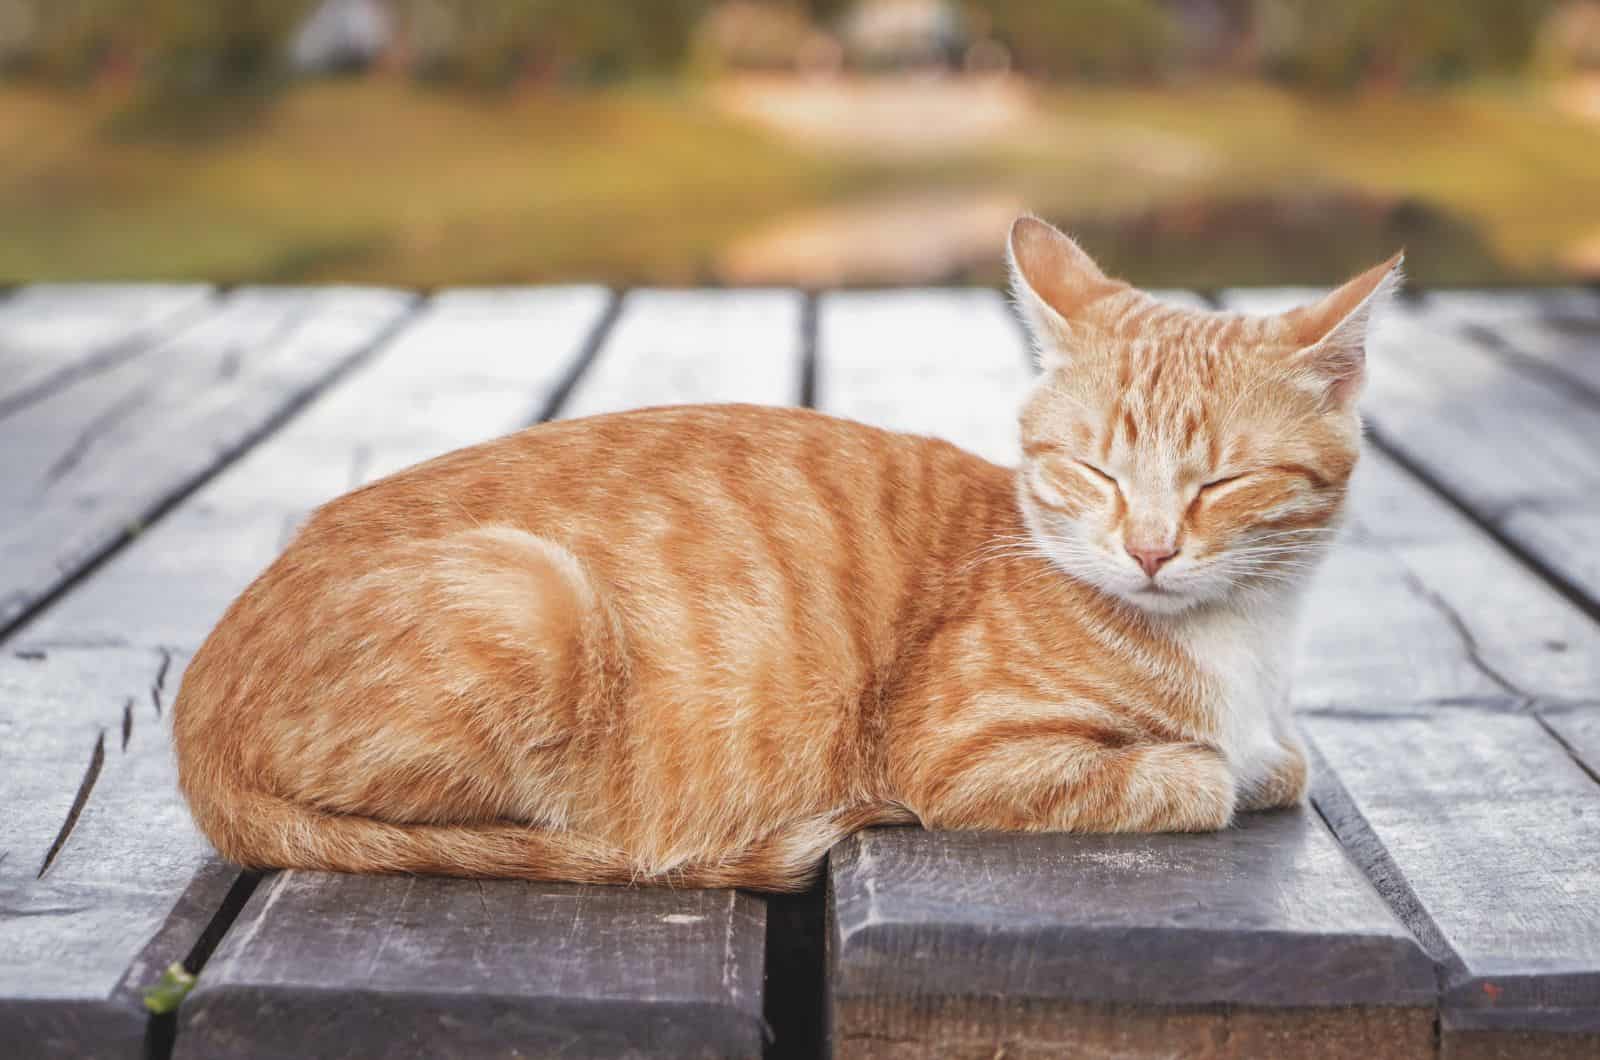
<point x="1150" y="558"/>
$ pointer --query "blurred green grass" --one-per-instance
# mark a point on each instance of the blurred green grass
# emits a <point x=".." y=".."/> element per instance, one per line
<point x="382" y="180"/>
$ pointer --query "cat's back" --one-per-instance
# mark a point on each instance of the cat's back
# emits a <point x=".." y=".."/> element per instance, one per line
<point x="664" y="474"/>
<point x="793" y="541"/>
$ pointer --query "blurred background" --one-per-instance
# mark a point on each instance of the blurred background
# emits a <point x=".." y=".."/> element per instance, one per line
<point x="819" y="142"/>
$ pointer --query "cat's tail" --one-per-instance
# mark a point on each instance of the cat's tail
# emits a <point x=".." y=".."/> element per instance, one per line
<point x="263" y="831"/>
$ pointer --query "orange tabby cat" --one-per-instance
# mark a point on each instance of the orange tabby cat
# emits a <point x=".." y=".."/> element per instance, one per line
<point x="699" y="645"/>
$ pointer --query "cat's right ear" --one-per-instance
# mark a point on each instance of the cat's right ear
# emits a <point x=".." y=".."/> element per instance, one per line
<point x="1052" y="280"/>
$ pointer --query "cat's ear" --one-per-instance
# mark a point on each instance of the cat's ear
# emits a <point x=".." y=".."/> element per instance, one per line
<point x="1052" y="280"/>
<point x="1331" y="335"/>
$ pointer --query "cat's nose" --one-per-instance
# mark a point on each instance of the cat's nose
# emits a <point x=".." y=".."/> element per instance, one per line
<point x="1151" y="557"/>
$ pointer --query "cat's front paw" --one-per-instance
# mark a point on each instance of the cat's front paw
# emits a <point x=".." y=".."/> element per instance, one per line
<point x="1281" y="779"/>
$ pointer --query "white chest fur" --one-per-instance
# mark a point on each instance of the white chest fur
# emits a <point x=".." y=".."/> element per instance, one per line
<point x="1246" y="655"/>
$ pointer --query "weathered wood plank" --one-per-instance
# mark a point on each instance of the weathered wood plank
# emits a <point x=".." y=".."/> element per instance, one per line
<point x="87" y="464"/>
<point x="500" y="969"/>
<point x="132" y="885"/>
<point x="1185" y="934"/>
<point x="1392" y="621"/>
<point x="1550" y="328"/>
<point x="1069" y="945"/>
<point x="445" y="967"/>
<point x="951" y="364"/>
<point x="51" y="334"/>
<point x="1480" y="828"/>
<point x="1578" y="729"/>
<point x="689" y="347"/>
<point x="98" y="881"/>
<point x="469" y="366"/>
<point x="1515" y="447"/>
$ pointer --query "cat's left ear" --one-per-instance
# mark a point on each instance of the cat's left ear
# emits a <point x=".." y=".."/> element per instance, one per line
<point x="1332" y="334"/>
<point x="1053" y="281"/>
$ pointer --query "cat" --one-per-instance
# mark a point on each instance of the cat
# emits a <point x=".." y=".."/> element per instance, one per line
<point x="699" y="645"/>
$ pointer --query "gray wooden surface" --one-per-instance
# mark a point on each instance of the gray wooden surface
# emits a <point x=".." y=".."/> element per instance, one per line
<point x="430" y="967"/>
<point x="88" y="464"/>
<point x="1483" y="830"/>
<point x="1270" y="913"/>
<point x="1449" y="682"/>
<point x="52" y="334"/>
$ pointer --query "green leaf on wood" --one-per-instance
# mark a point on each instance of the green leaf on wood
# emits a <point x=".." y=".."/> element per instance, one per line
<point x="166" y="993"/>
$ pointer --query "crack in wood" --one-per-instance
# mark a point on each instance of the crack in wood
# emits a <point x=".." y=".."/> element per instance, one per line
<point x="85" y="439"/>
<point x="1469" y="640"/>
<point x="127" y="721"/>
<point x="15" y="913"/>
<point x="22" y="605"/>
<point x="232" y="358"/>
<point x="1357" y="714"/>
<point x="1572" y="752"/>
<point x="113" y="354"/>
<point x="96" y="760"/>
<point x="1563" y="585"/>
<point x="160" y="683"/>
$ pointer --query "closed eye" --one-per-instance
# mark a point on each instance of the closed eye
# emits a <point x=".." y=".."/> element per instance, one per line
<point x="1098" y="472"/>
<point x="1219" y="482"/>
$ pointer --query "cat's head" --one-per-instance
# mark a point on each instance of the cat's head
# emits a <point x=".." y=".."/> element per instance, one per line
<point x="1173" y="456"/>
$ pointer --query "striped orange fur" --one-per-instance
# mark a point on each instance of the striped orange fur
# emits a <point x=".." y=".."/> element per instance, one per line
<point x="699" y="645"/>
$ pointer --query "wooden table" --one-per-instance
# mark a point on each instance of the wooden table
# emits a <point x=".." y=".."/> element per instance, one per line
<point x="1442" y="897"/>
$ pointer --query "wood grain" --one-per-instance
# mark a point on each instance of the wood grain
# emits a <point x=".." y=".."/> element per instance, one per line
<point x="951" y="364"/>
<point x="1555" y="329"/>
<point x="1268" y="913"/>
<point x="1480" y="828"/>
<point x="356" y="966"/>
<point x="87" y="465"/>
<point x="1417" y="605"/>
<point x="53" y="334"/>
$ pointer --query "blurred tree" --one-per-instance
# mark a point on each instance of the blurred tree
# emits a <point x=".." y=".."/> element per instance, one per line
<point x="201" y="48"/>
<point x="62" y="41"/>
<point x="1398" y="41"/>
<point x="189" y="48"/>
<point x="180" y="46"/>
<point x="1085" y="38"/>
<point x="490" y="43"/>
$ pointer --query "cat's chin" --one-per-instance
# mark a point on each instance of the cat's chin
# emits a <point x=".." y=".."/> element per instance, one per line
<point x="1161" y="601"/>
